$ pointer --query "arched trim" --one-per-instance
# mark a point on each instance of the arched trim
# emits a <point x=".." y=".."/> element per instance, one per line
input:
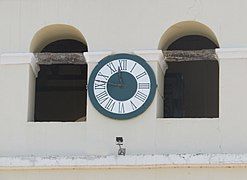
<point x="53" y="33"/>
<point x="186" y="28"/>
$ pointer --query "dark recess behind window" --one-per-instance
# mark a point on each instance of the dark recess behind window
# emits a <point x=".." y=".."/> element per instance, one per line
<point x="65" y="46"/>
<point x="192" y="87"/>
<point x="61" y="88"/>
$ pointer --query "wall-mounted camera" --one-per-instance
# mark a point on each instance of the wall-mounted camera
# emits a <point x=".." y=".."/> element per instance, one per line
<point x="119" y="139"/>
<point x="121" y="151"/>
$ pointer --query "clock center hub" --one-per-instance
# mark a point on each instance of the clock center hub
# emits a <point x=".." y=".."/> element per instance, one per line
<point x="122" y="86"/>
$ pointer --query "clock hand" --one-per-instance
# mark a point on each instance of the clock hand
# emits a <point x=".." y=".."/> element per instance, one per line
<point x="113" y="84"/>
<point x="120" y="78"/>
<point x="118" y="74"/>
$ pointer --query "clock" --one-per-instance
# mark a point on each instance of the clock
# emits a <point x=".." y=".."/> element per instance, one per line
<point x="122" y="86"/>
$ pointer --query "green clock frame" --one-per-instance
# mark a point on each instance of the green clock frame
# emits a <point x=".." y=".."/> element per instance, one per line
<point x="135" y="113"/>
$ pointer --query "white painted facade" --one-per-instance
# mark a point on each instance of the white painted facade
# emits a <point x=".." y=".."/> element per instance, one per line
<point x="154" y="144"/>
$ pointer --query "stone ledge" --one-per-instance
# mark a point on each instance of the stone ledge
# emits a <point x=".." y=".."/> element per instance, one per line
<point x="129" y="161"/>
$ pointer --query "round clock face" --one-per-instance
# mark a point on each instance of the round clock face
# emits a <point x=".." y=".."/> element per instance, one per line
<point x="122" y="86"/>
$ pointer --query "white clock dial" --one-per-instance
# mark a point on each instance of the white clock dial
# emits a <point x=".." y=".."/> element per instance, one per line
<point x="122" y="86"/>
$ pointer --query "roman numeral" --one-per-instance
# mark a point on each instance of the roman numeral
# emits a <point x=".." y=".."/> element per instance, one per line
<point x="122" y="64"/>
<point x="110" y="105"/>
<point x="121" y="108"/>
<point x="100" y="85"/>
<point x="133" y="68"/>
<point x="141" y="75"/>
<point x="143" y="85"/>
<point x="104" y="76"/>
<point x="133" y="105"/>
<point x="112" y="67"/>
<point x="140" y="96"/>
<point x="102" y="97"/>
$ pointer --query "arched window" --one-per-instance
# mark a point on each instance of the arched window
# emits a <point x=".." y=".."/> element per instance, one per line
<point x="191" y="85"/>
<point x="60" y="86"/>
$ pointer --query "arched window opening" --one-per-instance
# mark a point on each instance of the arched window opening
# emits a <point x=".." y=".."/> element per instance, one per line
<point x="191" y="85"/>
<point x="184" y="29"/>
<point x="61" y="88"/>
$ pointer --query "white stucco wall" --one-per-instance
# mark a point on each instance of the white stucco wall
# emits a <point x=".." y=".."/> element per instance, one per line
<point x="121" y="26"/>
<point x="96" y="136"/>
<point x="145" y="134"/>
<point x="105" y="23"/>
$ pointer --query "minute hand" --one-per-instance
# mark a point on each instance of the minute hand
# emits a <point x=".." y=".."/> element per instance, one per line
<point x="120" y="76"/>
<point x="113" y="84"/>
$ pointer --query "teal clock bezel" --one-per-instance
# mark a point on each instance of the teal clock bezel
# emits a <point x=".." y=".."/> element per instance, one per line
<point x="146" y="104"/>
